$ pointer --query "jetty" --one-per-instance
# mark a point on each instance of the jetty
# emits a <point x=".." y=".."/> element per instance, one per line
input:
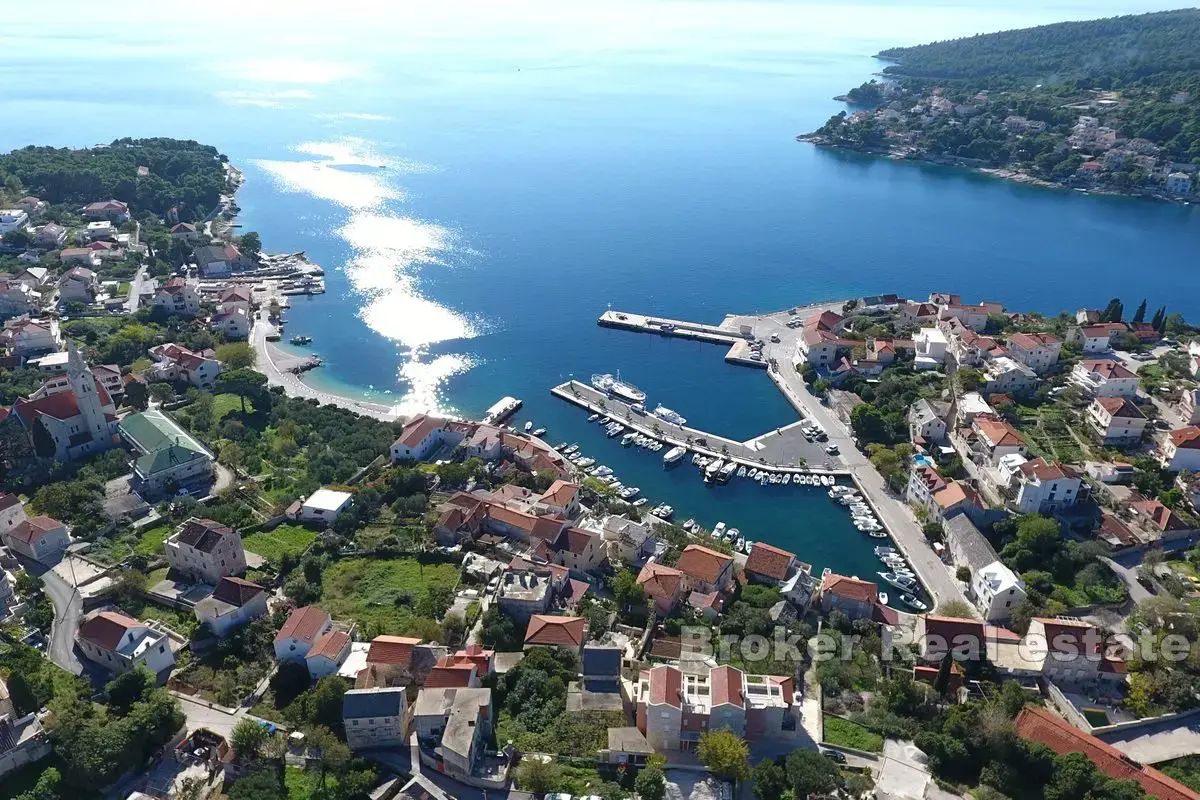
<point x="736" y="336"/>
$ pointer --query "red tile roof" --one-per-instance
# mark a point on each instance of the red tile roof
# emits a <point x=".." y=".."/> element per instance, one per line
<point x="1070" y="637"/>
<point x="303" y="624"/>
<point x="1030" y="341"/>
<point x="726" y="683"/>
<point x="962" y="635"/>
<point x="1039" y="725"/>
<point x="106" y="629"/>
<point x="30" y="530"/>
<point x="392" y="650"/>
<point x="236" y="591"/>
<point x="1186" y="438"/>
<point x="702" y="563"/>
<point x="448" y="674"/>
<point x="417" y="428"/>
<point x="1047" y="471"/>
<point x="545" y="629"/>
<point x="1106" y="368"/>
<point x="659" y="581"/>
<point x="998" y="432"/>
<point x="560" y="493"/>
<point x="330" y="645"/>
<point x="1120" y="407"/>
<point x="849" y="588"/>
<point x="769" y="561"/>
<point x="666" y="687"/>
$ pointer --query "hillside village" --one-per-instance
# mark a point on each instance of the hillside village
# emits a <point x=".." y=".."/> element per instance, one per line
<point x="210" y="586"/>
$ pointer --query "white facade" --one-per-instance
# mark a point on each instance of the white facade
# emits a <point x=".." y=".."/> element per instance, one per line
<point x="178" y="297"/>
<point x="1099" y="379"/>
<point x="120" y="644"/>
<point x="996" y="591"/>
<point x="12" y="219"/>
<point x="930" y="348"/>
<point x="324" y="505"/>
<point x="1039" y="352"/>
<point x="1046" y="488"/>
<point x="1005" y="374"/>
<point x="1181" y="451"/>
<point x="1116" y="421"/>
<point x="233" y="325"/>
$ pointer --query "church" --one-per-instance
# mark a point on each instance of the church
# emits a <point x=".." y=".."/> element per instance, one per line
<point x="73" y="408"/>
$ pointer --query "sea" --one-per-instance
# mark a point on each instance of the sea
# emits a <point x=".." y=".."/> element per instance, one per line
<point x="482" y="180"/>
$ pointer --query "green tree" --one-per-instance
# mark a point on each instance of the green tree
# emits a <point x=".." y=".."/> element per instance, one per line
<point x="942" y="682"/>
<point x="261" y="784"/>
<point x="250" y="244"/>
<point x="970" y="379"/>
<point x="235" y="355"/>
<point x="1139" y="316"/>
<point x="1160" y="321"/>
<point x="332" y="754"/>
<point x="162" y="392"/>
<point x="869" y="423"/>
<point x="247" y="738"/>
<point x="1112" y="312"/>
<point x="137" y="396"/>
<point x="21" y="694"/>
<point x="769" y="780"/>
<point x="725" y="753"/>
<point x="242" y="382"/>
<point x="810" y="773"/>
<point x="650" y="784"/>
<point x="125" y="690"/>
<point x="46" y="788"/>
<point x="626" y="591"/>
<point x="538" y="776"/>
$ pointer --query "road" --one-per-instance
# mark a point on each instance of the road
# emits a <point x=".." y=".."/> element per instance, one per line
<point x="200" y="714"/>
<point x="68" y="608"/>
<point x="1137" y="592"/>
<point x="135" y="290"/>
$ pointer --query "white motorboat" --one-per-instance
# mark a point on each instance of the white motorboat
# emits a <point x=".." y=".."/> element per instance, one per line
<point x="753" y="474"/>
<point x="667" y="415"/>
<point x="529" y="426"/>
<point x="741" y="473"/>
<point x="687" y="526"/>
<point x="627" y="439"/>
<point x="738" y="544"/>
<point x="569" y="449"/>
<point x="593" y="418"/>
<point x="619" y="388"/>
<point x="674" y="455"/>
<point x="726" y="472"/>
<point x="762" y="479"/>
<point x="909" y="600"/>
<point x="713" y="468"/>
<point x="629" y="491"/>
<point x="601" y="471"/>
<point x="732" y="535"/>
<point x="747" y="546"/>
<point x="718" y="530"/>
<point x="605" y="420"/>
<point x="641" y="501"/>
<point x="585" y="462"/>
<point x="696" y="459"/>
<point x="880" y="534"/>
<point x="615" y="430"/>
<point x="539" y="431"/>
<point x="903" y="583"/>
<point x="883" y="551"/>
<point x="883" y="598"/>
<point x="664" y="511"/>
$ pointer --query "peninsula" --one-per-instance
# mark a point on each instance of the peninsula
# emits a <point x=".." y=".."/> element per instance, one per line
<point x="1110" y="105"/>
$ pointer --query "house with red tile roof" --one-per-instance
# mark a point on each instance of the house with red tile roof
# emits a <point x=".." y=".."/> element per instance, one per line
<point x="233" y="603"/>
<point x="484" y="660"/>
<point x="1102" y="377"/>
<point x="327" y="654"/>
<point x="769" y="564"/>
<point x="42" y="539"/>
<point x="422" y="435"/>
<point x="1116" y="421"/>
<point x="704" y="569"/>
<point x="1046" y="487"/>
<point x="1071" y="650"/>
<point x="991" y="439"/>
<point x="177" y="296"/>
<point x="1181" y="451"/>
<point x="175" y="362"/>
<point x="300" y="632"/>
<point x="392" y="650"/>
<point x="75" y="410"/>
<point x="1098" y="337"/>
<point x="1155" y="517"/>
<point x="937" y="635"/>
<point x="450" y="673"/>
<point x="1038" y="351"/>
<point x="663" y="586"/>
<point x="1042" y="726"/>
<point x="205" y="550"/>
<point x="853" y="597"/>
<point x="119" y="644"/>
<point x="545" y="630"/>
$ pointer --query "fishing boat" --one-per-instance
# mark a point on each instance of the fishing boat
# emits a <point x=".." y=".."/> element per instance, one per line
<point x="687" y="526"/>
<point x="667" y="415"/>
<point x="674" y="455"/>
<point x="593" y="418"/>
<point x="718" y="530"/>
<point x="301" y="340"/>
<point x="618" y="388"/>
<point x="903" y="583"/>
<point x="910" y="600"/>
<point x="741" y="473"/>
<point x="529" y="426"/>
<point x="539" y="431"/>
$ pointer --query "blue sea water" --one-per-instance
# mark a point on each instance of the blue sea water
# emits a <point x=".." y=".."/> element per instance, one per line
<point x="545" y="161"/>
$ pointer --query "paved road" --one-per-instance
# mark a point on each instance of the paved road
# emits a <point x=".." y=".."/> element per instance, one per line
<point x="68" y="608"/>
<point x="135" y="290"/>
<point x="1137" y="592"/>
<point x="200" y="714"/>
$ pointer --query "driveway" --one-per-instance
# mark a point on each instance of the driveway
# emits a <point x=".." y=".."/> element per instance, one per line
<point x="1137" y="592"/>
<point x="68" y="609"/>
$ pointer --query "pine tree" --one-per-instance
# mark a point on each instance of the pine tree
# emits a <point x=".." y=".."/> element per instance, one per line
<point x="942" y="682"/>
<point x="1139" y="316"/>
<point x="1160" y="321"/>
<point x="1118" y="312"/>
<point x="21" y="694"/>
<point x="1107" y="314"/>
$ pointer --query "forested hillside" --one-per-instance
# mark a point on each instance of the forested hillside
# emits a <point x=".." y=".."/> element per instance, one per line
<point x="182" y="174"/>
<point x="1150" y="49"/>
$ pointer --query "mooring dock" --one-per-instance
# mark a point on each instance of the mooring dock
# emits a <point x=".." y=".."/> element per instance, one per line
<point x="782" y="450"/>
<point x="728" y="333"/>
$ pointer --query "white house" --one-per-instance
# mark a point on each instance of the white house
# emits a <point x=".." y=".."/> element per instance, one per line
<point x="1097" y="338"/>
<point x="234" y="325"/>
<point x="174" y="362"/>
<point x="996" y="591"/>
<point x="300" y="632"/>
<point x="328" y="653"/>
<point x="78" y="284"/>
<point x="1004" y="374"/>
<point x="177" y="296"/>
<point x="12" y="512"/>
<point x="1189" y="406"/>
<point x="1038" y="351"/>
<point x="1182" y="450"/>
<point x="816" y="347"/>
<point x="926" y="423"/>
<point x="993" y="439"/>
<point x="26" y="337"/>
<point x="42" y="538"/>
<point x="205" y="550"/>
<point x="100" y="229"/>
<point x="232" y="604"/>
<point x="324" y="505"/>
<point x="1116" y="421"/>
<point x="460" y="719"/>
<point x="1104" y="378"/>
<point x="120" y="643"/>
<point x="374" y="717"/>
<point x="930" y="348"/>
<point x="12" y="219"/>
<point x="1046" y="487"/>
<point x="420" y="436"/>
<point x="1179" y="183"/>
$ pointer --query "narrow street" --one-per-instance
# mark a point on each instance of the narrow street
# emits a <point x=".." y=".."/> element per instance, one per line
<point x="68" y="608"/>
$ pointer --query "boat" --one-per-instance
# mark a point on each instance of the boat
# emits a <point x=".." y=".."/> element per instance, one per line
<point x="909" y="600"/>
<point x="628" y="438"/>
<point x="753" y="473"/>
<point x="788" y="479"/>
<point x="883" y="551"/>
<point x="828" y="480"/>
<point x="732" y="535"/>
<point x="593" y="418"/>
<point x="664" y="511"/>
<point x="762" y="479"/>
<point x="529" y="426"/>
<point x="602" y="470"/>
<point x="504" y="408"/>
<point x="667" y="415"/>
<point x="539" y="431"/>
<point x="301" y="340"/>
<point x="713" y="467"/>
<point x="674" y="455"/>
<point x="691" y="523"/>
<point x="641" y="501"/>
<point x="605" y="420"/>
<point x="718" y="530"/>
<point x="879" y="534"/>
<point x="883" y="598"/>
<point x="585" y="462"/>
<point x="741" y="473"/>
<point x="571" y="448"/>
<point x="904" y="583"/>
<point x="619" y="388"/>
<point x="656" y="446"/>
<point x="774" y="478"/>
<point x="615" y="430"/>
<point x="629" y="491"/>
<point x="726" y="472"/>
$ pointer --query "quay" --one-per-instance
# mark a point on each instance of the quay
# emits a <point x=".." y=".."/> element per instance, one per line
<point x="737" y="329"/>
<point x="785" y="450"/>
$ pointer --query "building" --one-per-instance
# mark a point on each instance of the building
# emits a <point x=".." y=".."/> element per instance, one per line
<point x="186" y="231"/>
<point x="1047" y="487"/>
<point x="374" y="717"/>
<point x="16" y="298"/>
<point x="936" y="635"/>
<point x="27" y="337"/>
<point x="176" y="363"/>
<point x="324" y="505"/>
<point x="216" y="260"/>
<point x="50" y="236"/>
<point x="166" y="455"/>
<point x="1104" y="378"/>
<point x="120" y="643"/>
<point x="1116" y="421"/>
<point x="1007" y="375"/>
<point x="110" y="379"/>
<point x="205" y="550"/>
<point x="628" y="542"/>
<point x="42" y="539"/>
<point x="853" y="597"/>
<point x="1096" y="338"/>
<point x="970" y="406"/>
<point x="663" y="586"/>
<point x="996" y="591"/>
<point x="1069" y="649"/>
<point x="941" y="499"/>
<point x="327" y="654"/>
<point x="1042" y="726"/>
<point x="1038" y="351"/>
<point x="234" y="325"/>
<point x="100" y="229"/>
<point x="1179" y="183"/>
<point x="704" y="569"/>
<point x="232" y="604"/>
<point x="113" y="210"/>
<point x="23" y="741"/>
<point x="12" y="512"/>
<point x="768" y="564"/>
<point x="569" y="633"/>
<point x="12" y="219"/>
<point x="456" y="723"/>
<point x="579" y="550"/>
<point x="527" y="589"/>
<point x="300" y="632"/>
<point x="927" y="423"/>
<point x="930" y="346"/>
<point x="177" y="296"/>
<point x="1181" y="450"/>
<point x="78" y="284"/>
<point x="423" y="434"/>
<point x="76" y="412"/>
<point x="675" y="706"/>
<point x="992" y="439"/>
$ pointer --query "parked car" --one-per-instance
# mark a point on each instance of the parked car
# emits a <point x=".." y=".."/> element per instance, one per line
<point x="832" y="450"/>
<point x="833" y="755"/>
